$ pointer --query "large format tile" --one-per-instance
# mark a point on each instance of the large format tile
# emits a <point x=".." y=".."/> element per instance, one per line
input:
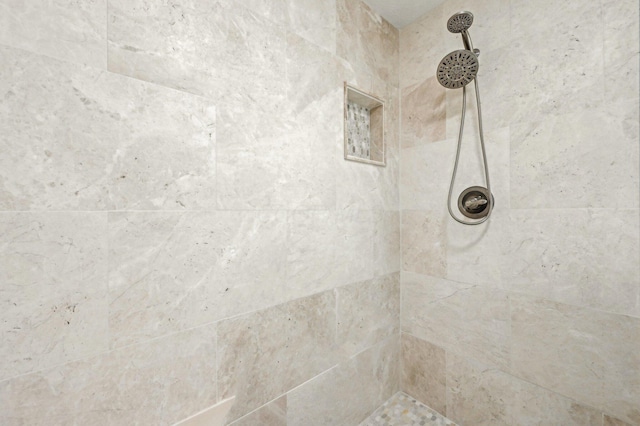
<point x="424" y="242"/>
<point x="266" y="353"/>
<point x="368" y="312"/>
<point x="314" y="20"/>
<point x="354" y="246"/>
<point x="559" y="67"/>
<point x="424" y="372"/>
<point x="182" y="44"/>
<point x="313" y="74"/>
<point x="588" y="355"/>
<point x="271" y="414"/>
<point x="474" y="252"/>
<point x="610" y="421"/>
<point x="107" y="142"/>
<point x="421" y="47"/>
<point x="268" y="160"/>
<point x="53" y="295"/>
<point x="572" y="256"/>
<point x="171" y="271"/>
<point x="158" y="382"/>
<point x="367" y="40"/>
<point x="426" y="173"/>
<point x="583" y="159"/>
<point x="467" y="319"/>
<point x="365" y="186"/>
<point x="480" y="395"/>
<point x="349" y="392"/>
<point x="386" y="242"/>
<point x="424" y="117"/>
<point x="312" y="253"/>
<point x="69" y="30"/>
<point x="621" y="46"/>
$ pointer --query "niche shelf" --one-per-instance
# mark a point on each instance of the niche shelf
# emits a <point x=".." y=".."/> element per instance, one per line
<point x="363" y="127"/>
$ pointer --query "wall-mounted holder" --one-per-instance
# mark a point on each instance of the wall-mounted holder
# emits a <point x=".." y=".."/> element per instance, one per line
<point x="363" y="127"/>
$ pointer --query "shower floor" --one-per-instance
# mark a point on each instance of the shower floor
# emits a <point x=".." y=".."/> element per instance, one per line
<point x="403" y="410"/>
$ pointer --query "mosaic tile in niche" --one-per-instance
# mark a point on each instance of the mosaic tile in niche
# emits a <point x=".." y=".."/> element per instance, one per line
<point x="358" y="130"/>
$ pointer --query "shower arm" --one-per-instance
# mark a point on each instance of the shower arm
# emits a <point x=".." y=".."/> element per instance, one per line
<point x="466" y="40"/>
<point x="468" y="45"/>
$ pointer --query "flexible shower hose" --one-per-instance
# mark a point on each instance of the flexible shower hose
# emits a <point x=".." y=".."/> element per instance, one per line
<point x="484" y="156"/>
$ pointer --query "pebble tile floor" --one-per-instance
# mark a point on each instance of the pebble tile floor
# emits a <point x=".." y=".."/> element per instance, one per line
<point x="402" y="410"/>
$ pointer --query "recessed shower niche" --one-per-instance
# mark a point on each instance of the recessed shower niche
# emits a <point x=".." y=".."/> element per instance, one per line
<point x="363" y="127"/>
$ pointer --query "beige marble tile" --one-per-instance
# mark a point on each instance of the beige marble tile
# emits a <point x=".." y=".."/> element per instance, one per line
<point x="269" y="161"/>
<point x="271" y="414"/>
<point x="424" y="113"/>
<point x="426" y="173"/>
<point x="266" y="353"/>
<point x="480" y="395"/>
<point x="392" y="124"/>
<point x="312" y="75"/>
<point x="467" y="319"/>
<point x="312" y="252"/>
<point x="621" y="46"/>
<point x="534" y="405"/>
<point x="588" y="355"/>
<point x="171" y="271"/>
<point x="476" y="394"/>
<point x="544" y="44"/>
<point x="610" y="421"/>
<point x="474" y="253"/>
<point x="365" y="186"/>
<point x="157" y="382"/>
<point x="107" y="142"/>
<point x="424" y="242"/>
<point x="354" y="246"/>
<point x="572" y="256"/>
<point x="53" y="270"/>
<point x="69" y="30"/>
<point x="386" y="242"/>
<point x="422" y="47"/>
<point x="182" y="44"/>
<point x="314" y="20"/>
<point x="348" y="393"/>
<point x="583" y="159"/>
<point x="424" y="372"/>
<point x="368" y="312"/>
<point x="366" y="40"/>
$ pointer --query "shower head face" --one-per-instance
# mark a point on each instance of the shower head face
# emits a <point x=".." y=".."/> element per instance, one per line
<point x="460" y="22"/>
<point x="458" y="69"/>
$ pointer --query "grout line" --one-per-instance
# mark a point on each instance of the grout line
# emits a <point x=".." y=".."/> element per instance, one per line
<point x="106" y="38"/>
<point x="217" y="362"/>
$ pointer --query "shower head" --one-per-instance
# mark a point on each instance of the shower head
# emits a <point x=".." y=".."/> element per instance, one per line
<point x="458" y="69"/>
<point x="460" y="22"/>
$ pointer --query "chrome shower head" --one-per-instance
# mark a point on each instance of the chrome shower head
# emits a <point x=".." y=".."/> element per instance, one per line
<point x="460" y="22"/>
<point x="458" y="69"/>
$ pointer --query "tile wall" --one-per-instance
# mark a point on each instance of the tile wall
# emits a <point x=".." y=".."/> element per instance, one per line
<point x="177" y="222"/>
<point x="535" y="317"/>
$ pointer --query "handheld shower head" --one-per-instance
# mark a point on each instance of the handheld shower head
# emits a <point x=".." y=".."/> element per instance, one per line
<point x="460" y="22"/>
